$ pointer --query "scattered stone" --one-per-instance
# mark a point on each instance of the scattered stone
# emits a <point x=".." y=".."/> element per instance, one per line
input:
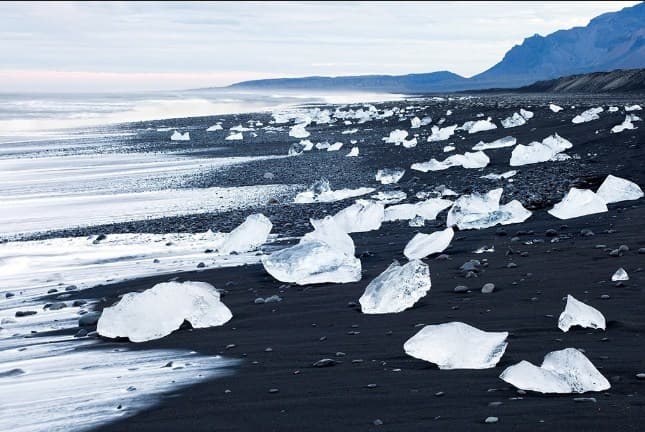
<point x="641" y="251"/>
<point x="495" y="404"/>
<point x="551" y="233"/>
<point x="585" y="399"/>
<point x="79" y="303"/>
<point x="640" y="376"/>
<point x="71" y="288"/>
<point x="201" y="265"/>
<point x="615" y="253"/>
<point x="11" y="373"/>
<point x="586" y="232"/>
<point x="20" y="314"/>
<point x="444" y="257"/>
<point x="274" y="390"/>
<point x="9" y="295"/>
<point x="259" y="300"/>
<point x="55" y="306"/>
<point x="488" y="288"/>
<point x="490" y="420"/>
<point x="371" y="386"/>
<point x="378" y="422"/>
<point x="501" y="232"/>
<point x="605" y="297"/>
<point x="52" y="291"/>
<point x="511" y="265"/>
<point x="273" y="299"/>
<point x="439" y="394"/>
<point x="461" y="289"/>
<point x="326" y="362"/>
<point x="623" y="248"/>
<point x="89" y="319"/>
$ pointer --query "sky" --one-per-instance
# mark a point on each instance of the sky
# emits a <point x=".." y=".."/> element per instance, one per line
<point x="118" y="46"/>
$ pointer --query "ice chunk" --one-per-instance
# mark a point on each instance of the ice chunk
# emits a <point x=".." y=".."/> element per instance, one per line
<point x="425" y="121"/>
<point x="626" y="124"/>
<point x="423" y="245"/>
<point x="214" y="128"/>
<point x="456" y="345"/>
<point x="564" y="371"/>
<point x="396" y="289"/>
<point x="613" y="109"/>
<point x="390" y="197"/>
<point x="296" y="149"/>
<point x="537" y="152"/>
<point x="306" y="145"/>
<point x="629" y="108"/>
<point x="322" y="145"/>
<point x="428" y="209"/>
<point x="467" y="160"/>
<point x="349" y="131"/>
<point x="362" y="216"/>
<point x="588" y="115"/>
<point x="321" y="191"/>
<point x="178" y="136"/>
<point x="415" y="122"/>
<point x="353" y="152"/>
<point x="479" y="211"/>
<point x="448" y="148"/>
<point x="508" y="141"/>
<point x="441" y="134"/>
<point x="578" y="202"/>
<point x="478" y="126"/>
<point x="162" y="309"/>
<point x="616" y="189"/>
<point x="409" y="143"/>
<point x="299" y="131"/>
<point x="576" y="313"/>
<point x="526" y="114"/>
<point x="555" y="108"/>
<point x="235" y="137"/>
<point x="250" y="235"/>
<point x="620" y="275"/>
<point x="448" y="112"/>
<point x="504" y="175"/>
<point x="389" y="175"/>
<point x="396" y="137"/>
<point x="513" y="121"/>
<point x="335" y="146"/>
<point x="325" y="255"/>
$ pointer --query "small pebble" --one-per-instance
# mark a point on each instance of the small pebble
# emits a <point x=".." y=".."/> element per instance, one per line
<point x="490" y="420"/>
<point x="488" y="288"/>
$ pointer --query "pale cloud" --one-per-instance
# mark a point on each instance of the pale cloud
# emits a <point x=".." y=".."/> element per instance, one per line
<point x="145" y="45"/>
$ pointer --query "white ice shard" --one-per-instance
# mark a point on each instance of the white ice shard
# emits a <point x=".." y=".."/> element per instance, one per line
<point x="588" y="115"/>
<point x="537" y="152"/>
<point x="390" y="197"/>
<point x="299" y="131"/>
<point x="325" y="255"/>
<point x="306" y="145"/>
<point x="214" y="128"/>
<point x="335" y="146"/>
<point x="576" y="313"/>
<point x="178" y="136"/>
<point x="578" y="202"/>
<point x="362" y="216"/>
<point x="389" y="175"/>
<point x="396" y="289"/>
<point x="321" y="191"/>
<point x="508" y="141"/>
<point x="428" y="210"/>
<point x="555" y="108"/>
<point x="513" y="121"/>
<point x="322" y="145"/>
<point x="240" y="128"/>
<point x="564" y="371"/>
<point x="616" y="189"/>
<point x="478" y="126"/>
<point x="448" y="112"/>
<point x="466" y="160"/>
<point x="354" y="152"/>
<point x="477" y="211"/>
<point x="160" y="310"/>
<point x="235" y="137"/>
<point x="415" y="122"/>
<point x="620" y="275"/>
<point x="349" y="131"/>
<point x="423" y="245"/>
<point x="456" y="345"/>
<point x="504" y="175"/>
<point x="626" y="124"/>
<point x="396" y="137"/>
<point x="441" y="134"/>
<point x="613" y="109"/>
<point x="409" y="143"/>
<point x="629" y="108"/>
<point x="448" y="148"/>
<point x="250" y="235"/>
<point x="526" y="114"/>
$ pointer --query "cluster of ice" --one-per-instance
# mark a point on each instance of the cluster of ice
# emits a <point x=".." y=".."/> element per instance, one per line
<point x="456" y="345"/>
<point x="616" y="189"/>
<point x="478" y="126"/>
<point x="325" y="255"/>
<point x="508" y="141"/>
<point x="321" y="191"/>
<point x="390" y="197"/>
<point x="354" y="152"/>
<point x="215" y="127"/>
<point x="396" y="289"/>
<point x="629" y="108"/>
<point x="362" y="216"/>
<point x="576" y="313"/>
<point x="398" y="137"/>
<point x="564" y="371"/>
<point x="428" y="210"/>
<point x="466" y="160"/>
<point x="537" y="152"/>
<point x="248" y="236"/>
<point x="479" y="211"/>
<point x="441" y="134"/>
<point x="588" y="115"/>
<point x="555" y="108"/>
<point x="626" y="124"/>
<point x="504" y="175"/>
<point x="517" y="119"/>
<point x="389" y="175"/>
<point x="335" y="146"/>
<point x="423" y="245"/>
<point x="578" y="202"/>
<point x="620" y="275"/>
<point x="235" y="137"/>
<point x="299" y="131"/>
<point x="178" y="136"/>
<point x="162" y="309"/>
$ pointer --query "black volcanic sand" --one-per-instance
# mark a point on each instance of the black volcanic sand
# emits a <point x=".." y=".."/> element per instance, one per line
<point x="374" y="378"/>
